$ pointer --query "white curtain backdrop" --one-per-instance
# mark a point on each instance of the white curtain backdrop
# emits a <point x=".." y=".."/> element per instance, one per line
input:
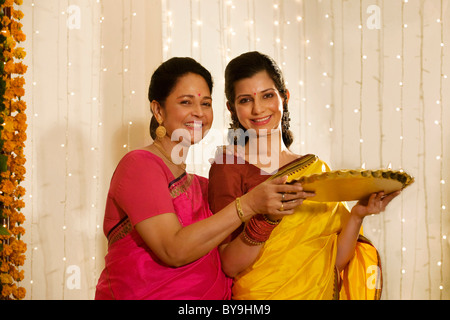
<point x="369" y="88"/>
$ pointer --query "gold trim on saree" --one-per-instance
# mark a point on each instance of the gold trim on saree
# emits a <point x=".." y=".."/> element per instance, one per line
<point x="120" y="231"/>
<point x="295" y="167"/>
<point x="180" y="185"/>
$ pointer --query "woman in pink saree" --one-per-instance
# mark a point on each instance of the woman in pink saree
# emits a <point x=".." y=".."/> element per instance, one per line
<point x="162" y="235"/>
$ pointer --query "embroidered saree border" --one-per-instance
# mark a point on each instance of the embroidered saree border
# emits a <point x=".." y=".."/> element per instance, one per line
<point x="122" y="229"/>
<point x="180" y="185"/>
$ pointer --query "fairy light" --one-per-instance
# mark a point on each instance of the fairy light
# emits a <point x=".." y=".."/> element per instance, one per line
<point x="32" y="134"/>
<point x="68" y="103"/>
<point x="441" y="165"/>
<point x="303" y="72"/>
<point x="168" y="30"/>
<point x="401" y="138"/>
<point x="306" y="56"/>
<point x="361" y="87"/>
<point x="332" y="104"/>
<point x="424" y="161"/>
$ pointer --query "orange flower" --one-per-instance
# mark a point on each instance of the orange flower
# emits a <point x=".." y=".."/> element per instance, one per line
<point x="19" y="92"/>
<point x="9" y="67"/>
<point x="7" y="290"/>
<point x="6" y="278"/>
<point x="18" y="106"/>
<point x="20" y="68"/>
<point x="17" y="275"/>
<point x="7" y="250"/>
<point x="19" y="293"/>
<point x="19" y="53"/>
<point x="17" y="14"/>
<point x="13" y="136"/>
<point x="17" y="82"/>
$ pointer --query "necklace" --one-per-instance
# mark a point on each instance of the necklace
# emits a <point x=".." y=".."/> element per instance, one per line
<point x="182" y="165"/>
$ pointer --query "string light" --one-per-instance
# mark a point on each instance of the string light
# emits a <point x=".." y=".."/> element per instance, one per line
<point x="424" y="161"/>
<point x="441" y="166"/>
<point x="361" y="83"/>
<point x="401" y="138"/>
<point x="308" y="61"/>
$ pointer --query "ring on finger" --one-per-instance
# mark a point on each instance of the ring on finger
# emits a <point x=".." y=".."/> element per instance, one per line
<point x="282" y="207"/>
<point x="282" y="197"/>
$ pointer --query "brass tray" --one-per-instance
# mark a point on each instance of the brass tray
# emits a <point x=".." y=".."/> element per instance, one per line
<point x="353" y="185"/>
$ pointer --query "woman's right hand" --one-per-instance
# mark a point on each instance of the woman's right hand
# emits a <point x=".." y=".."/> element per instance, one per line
<point x="274" y="198"/>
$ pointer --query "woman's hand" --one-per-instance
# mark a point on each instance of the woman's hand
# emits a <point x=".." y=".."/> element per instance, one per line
<point x="274" y="198"/>
<point x="374" y="205"/>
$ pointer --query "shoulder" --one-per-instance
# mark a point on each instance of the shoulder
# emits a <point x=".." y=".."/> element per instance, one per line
<point x="140" y="163"/>
<point x="140" y="157"/>
<point x="229" y="154"/>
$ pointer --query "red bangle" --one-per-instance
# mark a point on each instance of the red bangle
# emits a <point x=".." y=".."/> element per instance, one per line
<point x="258" y="230"/>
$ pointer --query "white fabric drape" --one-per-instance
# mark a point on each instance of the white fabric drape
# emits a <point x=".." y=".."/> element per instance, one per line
<point x="369" y="87"/>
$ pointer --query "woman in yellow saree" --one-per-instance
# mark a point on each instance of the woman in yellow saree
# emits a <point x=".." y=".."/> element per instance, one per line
<point x="315" y="253"/>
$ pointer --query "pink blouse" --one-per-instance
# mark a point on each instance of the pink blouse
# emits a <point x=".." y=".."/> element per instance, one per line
<point x="142" y="187"/>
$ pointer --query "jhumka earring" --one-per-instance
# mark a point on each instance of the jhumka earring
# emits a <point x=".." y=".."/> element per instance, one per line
<point x="286" y="120"/>
<point x="160" y="131"/>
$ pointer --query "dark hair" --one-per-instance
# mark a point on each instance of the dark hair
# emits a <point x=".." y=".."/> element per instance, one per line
<point x="166" y="77"/>
<point x="245" y="66"/>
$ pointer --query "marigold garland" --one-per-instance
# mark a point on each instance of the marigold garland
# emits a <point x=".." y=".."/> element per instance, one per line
<point x="12" y="142"/>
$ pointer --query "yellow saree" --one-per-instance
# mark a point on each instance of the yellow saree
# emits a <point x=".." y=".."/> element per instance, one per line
<point x="298" y="260"/>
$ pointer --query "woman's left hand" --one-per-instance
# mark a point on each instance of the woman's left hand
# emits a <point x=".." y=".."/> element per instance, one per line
<point x="374" y="205"/>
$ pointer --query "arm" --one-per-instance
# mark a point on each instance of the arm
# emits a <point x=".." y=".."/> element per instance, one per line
<point x="238" y="254"/>
<point x="177" y="246"/>
<point x="349" y="235"/>
<point x="225" y="184"/>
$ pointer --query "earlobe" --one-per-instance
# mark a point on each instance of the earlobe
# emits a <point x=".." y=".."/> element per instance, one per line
<point x="157" y="111"/>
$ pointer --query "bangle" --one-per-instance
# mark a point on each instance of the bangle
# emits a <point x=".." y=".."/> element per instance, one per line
<point x="240" y="213"/>
<point x="257" y="230"/>
<point x="266" y="219"/>
<point x="249" y="241"/>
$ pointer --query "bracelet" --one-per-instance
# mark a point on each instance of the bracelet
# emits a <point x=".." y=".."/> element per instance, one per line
<point x="271" y="221"/>
<point x="249" y="241"/>
<point x="240" y="213"/>
<point x="258" y="230"/>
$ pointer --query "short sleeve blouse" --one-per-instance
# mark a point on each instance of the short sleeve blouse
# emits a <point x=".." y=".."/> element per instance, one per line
<point x="138" y="189"/>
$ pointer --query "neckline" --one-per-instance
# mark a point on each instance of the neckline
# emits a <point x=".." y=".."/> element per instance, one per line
<point x="158" y="158"/>
<point x="276" y="170"/>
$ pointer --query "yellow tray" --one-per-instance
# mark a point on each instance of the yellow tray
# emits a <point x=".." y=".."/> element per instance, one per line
<point x="353" y="185"/>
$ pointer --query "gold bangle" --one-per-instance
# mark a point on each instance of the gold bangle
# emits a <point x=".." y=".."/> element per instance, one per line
<point x="249" y="241"/>
<point x="274" y="223"/>
<point x="240" y="213"/>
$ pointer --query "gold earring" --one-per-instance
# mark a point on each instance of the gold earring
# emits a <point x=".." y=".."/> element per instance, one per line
<point x="160" y="131"/>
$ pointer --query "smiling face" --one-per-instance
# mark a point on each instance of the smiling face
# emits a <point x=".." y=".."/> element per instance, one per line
<point x="188" y="107"/>
<point x="258" y="103"/>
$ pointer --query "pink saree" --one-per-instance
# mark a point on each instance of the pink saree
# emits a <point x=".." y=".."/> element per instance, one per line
<point x="132" y="271"/>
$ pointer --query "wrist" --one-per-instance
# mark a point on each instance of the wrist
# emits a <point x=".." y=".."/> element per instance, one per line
<point x="355" y="218"/>
<point x="246" y="207"/>
<point x="243" y="210"/>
